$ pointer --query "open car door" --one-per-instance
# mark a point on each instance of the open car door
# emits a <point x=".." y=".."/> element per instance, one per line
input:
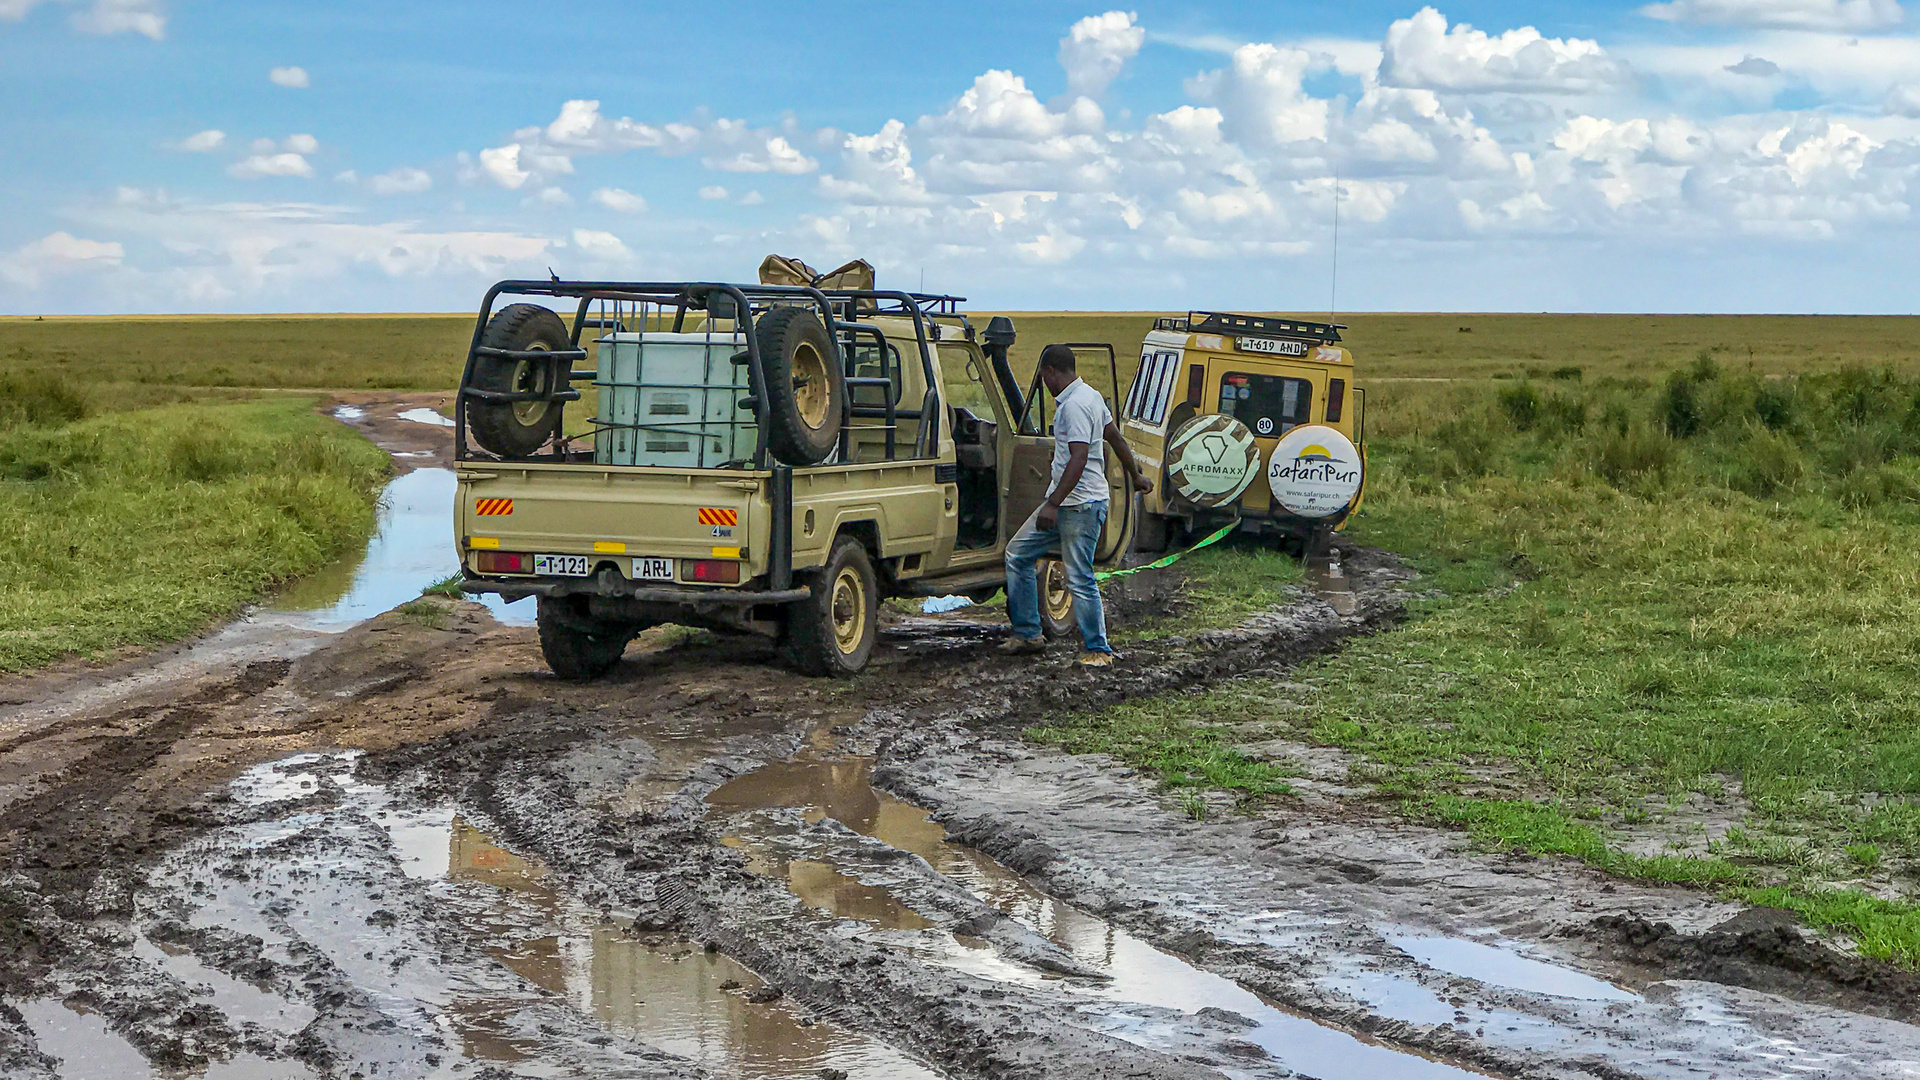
<point x="1032" y="471"/>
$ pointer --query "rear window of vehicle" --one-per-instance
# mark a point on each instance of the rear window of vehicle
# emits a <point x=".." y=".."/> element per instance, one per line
<point x="1268" y="404"/>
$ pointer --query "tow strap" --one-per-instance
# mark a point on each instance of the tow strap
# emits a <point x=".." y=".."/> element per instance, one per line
<point x="1165" y="561"/>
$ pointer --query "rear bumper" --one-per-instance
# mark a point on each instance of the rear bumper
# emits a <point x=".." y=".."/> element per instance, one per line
<point x="609" y="585"/>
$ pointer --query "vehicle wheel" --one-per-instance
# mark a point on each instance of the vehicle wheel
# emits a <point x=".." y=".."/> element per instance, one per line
<point x="1150" y="531"/>
<point x="832" y="632"/>
<point x="518" y="428"/>
<point x="805" y="400"/>
<point x="578" y="648"/>
<point x="1056" y="603"/>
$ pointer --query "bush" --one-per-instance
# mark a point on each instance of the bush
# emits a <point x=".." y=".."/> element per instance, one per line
<point x="40" y="400"/>
<point x="1773" y="404"/>
<point x="1769" y="462"/>
<point x="1680" y="407"/>
<point x="1521" y="403"/>
<point x="1639" y="453"/>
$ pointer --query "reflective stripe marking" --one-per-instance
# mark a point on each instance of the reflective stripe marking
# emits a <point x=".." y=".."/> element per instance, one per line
<point x="718" y="515"/>
<point x="493" y="507"/>
<point x="609" y="547"/>
<point x="726" y="553"/>
<point x="491" y="542"/>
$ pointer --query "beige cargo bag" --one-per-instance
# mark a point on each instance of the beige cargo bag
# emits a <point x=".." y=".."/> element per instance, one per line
<point x="786" y="270"/>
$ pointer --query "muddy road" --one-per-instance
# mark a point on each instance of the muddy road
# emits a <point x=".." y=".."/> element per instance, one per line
<point x="398" y="848"/>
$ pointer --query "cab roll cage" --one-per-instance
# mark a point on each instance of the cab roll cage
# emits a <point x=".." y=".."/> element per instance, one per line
<point x="840" y="310"/>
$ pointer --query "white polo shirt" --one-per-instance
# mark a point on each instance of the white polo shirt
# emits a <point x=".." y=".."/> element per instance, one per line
<point x="1081" y="416"/>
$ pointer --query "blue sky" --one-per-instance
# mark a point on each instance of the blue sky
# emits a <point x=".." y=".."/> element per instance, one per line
<point x="1686" y="155"/>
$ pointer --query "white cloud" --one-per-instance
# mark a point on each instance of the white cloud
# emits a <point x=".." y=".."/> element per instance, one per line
<point x="1787" y="14"/>
<point x="752" y="198"/>
<point x="599" y="245"/>
<point x="876" y="168"/>
<point x="1051" y="247"/>
<point x="1904" y="101"/>
<point x="1261" y="99"/>
<point x="259" y="165"/>
<point x="293" y="78"/>
<point x="1423" y="52"/>
<point x="402" y="181"/>
<point x="713" y="192"/>
<point x="202" y="143"/>
<point x="553" y="196"/>
<point x="775" y="155"/>
<point x="15" y="10"/>
<point x="302" y="144"/>
<point x="58" y="253"/>
<point x="501" y="164"/>
<point x="1097" y="49"/>
<point x="346" y="176"/>
<point x="625" y="202"/>
<point x="123" y="17"/>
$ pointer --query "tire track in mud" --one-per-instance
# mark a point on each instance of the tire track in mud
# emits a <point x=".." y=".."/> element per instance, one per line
<point x="608" y="786"/>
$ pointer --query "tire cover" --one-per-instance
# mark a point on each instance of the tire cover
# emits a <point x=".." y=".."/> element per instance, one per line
<point x="1315" y="471"/>
<point x="1211" y="460"/>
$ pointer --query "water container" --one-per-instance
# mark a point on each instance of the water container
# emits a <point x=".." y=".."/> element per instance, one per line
<point x="672" y="400"/>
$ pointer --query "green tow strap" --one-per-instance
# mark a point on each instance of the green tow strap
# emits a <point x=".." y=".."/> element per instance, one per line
<point x="1168" y="560"/>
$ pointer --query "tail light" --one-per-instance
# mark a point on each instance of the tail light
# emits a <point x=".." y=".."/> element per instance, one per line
<point x="712" y="571"/>
<point x="502" y="562"/>
<point x="1336" y="399"/>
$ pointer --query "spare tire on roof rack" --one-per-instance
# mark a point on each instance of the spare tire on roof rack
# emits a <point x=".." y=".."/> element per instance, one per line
<point x="518" y="428"/>
<point x="804" y="402"/>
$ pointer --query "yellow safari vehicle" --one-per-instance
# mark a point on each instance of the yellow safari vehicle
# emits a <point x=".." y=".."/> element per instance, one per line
<point x="1246" y="416"/>
<point x="754" y="458"/>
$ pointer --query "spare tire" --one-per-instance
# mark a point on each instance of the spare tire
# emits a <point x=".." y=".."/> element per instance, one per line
<point x="805" y="399"/>
<point x="1211" y="460"/>
<point x="518" y="428"/>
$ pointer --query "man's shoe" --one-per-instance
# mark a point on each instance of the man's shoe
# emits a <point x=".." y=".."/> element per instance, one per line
<point x="1022" y="646"/>
<point x="1096" y="659"/>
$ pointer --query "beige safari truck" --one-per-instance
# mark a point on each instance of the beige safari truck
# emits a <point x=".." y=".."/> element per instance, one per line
<point x="1248" y="417"/>
<point x="772" y="460"/>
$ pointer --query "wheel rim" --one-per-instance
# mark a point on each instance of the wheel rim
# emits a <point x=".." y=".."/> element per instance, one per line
<point x="527" y="380"/>
<point x="849" y="611"/>
<point x="810" y="385"/>
<point x="1054" y="585"/>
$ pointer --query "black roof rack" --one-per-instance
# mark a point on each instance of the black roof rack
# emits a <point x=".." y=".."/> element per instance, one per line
<point x="1222" y="322"/>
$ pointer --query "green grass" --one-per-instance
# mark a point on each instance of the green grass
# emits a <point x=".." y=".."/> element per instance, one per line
<point x="1183" y="741"/>
<point x="1693" y="587"/>
<point x="135" y="528"/>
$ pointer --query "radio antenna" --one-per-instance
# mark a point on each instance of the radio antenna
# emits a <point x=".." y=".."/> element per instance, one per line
<point x="1333" y="282"/>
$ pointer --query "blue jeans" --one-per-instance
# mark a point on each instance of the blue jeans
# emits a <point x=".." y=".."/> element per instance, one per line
<point x="1077" y="537"/>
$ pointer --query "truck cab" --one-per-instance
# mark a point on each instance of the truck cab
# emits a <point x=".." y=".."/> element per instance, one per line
<point x="750" y="458"/>
<point x="1222" y="400"/>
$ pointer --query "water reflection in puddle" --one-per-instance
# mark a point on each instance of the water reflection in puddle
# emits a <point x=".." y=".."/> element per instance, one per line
<point x="661" y="991"/>
<point x="1328" y="579"/>
<point x="86" y="1048"/>
<point x="425" y="416"/>
<point x="818" y="784"/>
<point x="412" y="549"/>
<point x="1496" y="966"/>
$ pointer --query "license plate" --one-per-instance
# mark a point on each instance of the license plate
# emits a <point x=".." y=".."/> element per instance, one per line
<point x="650" y="569"/>
<point x="1269" y="345"/>
<point x="561" y="565"/>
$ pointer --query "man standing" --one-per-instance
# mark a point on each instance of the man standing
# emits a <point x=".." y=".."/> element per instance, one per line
<point x="1074" y="514"/>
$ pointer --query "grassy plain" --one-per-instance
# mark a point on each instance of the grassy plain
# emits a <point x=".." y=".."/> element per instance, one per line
<point x="1675" y="634"/>
<point x="135" y="527"/>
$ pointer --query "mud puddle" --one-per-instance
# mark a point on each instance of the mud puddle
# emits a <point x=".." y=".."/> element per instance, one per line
<point x="784" y="814"/>
<point x="412" y="549"/>
<point x="656" y="989"/>
<point x="1327" y="579"/>
<point x="424" y="416"/>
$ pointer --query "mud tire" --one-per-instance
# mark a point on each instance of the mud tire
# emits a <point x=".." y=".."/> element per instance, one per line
<point x="518" y="428"/>
<point x="804" y="402"/>
<point x="578" y="648"/>
<point x="1056" y="603"/>
<point x="1151" y="532"/>
<point x="832" y="632"/>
